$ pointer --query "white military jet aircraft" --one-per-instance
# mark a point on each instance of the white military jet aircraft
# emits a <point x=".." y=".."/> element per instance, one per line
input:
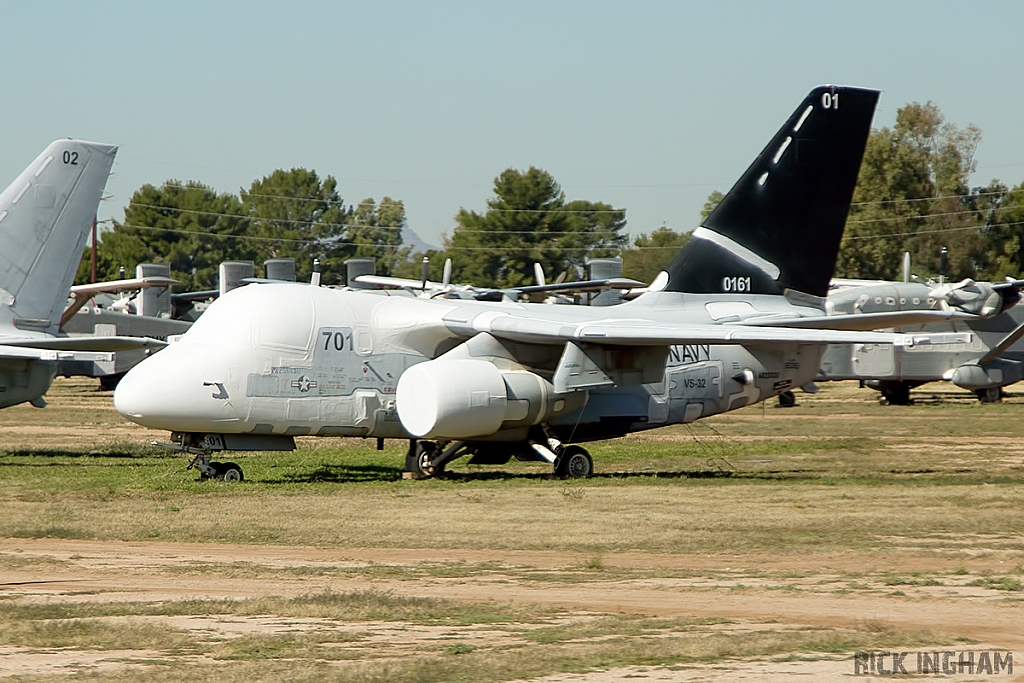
<point x="45" y="216"/>
<point x="734" y="319"/>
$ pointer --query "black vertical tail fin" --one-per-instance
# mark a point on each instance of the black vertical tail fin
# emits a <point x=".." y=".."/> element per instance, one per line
<point x="780" y="225"/>
<point x="45" y="218"/>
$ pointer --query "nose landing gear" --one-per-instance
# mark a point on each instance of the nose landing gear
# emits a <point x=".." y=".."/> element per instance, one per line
<point x="222" y="471"/>
<point x="201" y="448"/>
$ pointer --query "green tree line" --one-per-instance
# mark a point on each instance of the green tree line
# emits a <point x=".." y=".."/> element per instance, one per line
<point x="913" y="194"/>
<point x="285" y="214"/>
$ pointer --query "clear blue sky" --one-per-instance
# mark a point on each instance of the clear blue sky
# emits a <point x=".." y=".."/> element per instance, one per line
<point x="648" y="106"/>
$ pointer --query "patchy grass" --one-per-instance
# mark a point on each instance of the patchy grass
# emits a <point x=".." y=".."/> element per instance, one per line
<point x="348" y="607"/>
<point x="90" y="634"/>
<point x="838" y="474"/>
<point x="999" y="583"/>
<point x="256" y="660"/>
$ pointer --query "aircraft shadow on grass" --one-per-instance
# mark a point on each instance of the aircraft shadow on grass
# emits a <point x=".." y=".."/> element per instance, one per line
<point x="344" y="474"/>
<point x="67" y="453"/>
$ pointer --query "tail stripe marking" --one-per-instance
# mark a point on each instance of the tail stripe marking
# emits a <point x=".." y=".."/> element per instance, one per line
<point x="739" y="250"/>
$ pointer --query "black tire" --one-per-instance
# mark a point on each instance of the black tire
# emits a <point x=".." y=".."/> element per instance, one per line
<point x="230" y="472"/>
<point x="991" y="395"/>
<point x="574" y="463"/>
<point x="787" y="399"/>
<point x="109" y="382"/>
<point x="425" y="452"/>
<point x="896" y="393"/>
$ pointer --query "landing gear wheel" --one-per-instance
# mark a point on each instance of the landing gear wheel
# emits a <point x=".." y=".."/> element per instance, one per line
<point x="990" y="395"/>
<point x="787" y="399"/>
<point x="425" y="452"/>
<point x="896" y="393"/>
<point x="229" y="472"/>
<point x="109" y="382"/>
<point x="574" y="463"/>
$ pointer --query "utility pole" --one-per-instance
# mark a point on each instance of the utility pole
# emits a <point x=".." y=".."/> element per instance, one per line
<point x="94" y="250"/>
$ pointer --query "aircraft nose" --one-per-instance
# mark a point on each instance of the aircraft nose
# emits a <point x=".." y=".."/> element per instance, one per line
<point x="173" y="390"/>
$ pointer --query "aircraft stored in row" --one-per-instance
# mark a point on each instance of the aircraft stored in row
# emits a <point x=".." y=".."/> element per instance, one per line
<point x="45" y="217"/>
<point x="737" y="317"/>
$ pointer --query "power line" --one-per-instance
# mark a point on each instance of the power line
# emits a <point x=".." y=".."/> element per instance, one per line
<point x="218" y="234"/>
<point x="931" y="232"/>
<point x="261" y="218"/>
<point x="381" y="246"/>
<point x="344" y="225"/>
<point x="968" y="195"/>
<point x="930" y="215"/>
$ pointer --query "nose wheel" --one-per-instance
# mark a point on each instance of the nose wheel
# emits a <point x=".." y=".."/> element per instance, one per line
<point x="222" y="471"/>
<point x="228" y="471"/>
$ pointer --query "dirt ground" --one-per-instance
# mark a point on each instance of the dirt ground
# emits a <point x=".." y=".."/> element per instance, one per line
<point x="103" y="570"/>
<point x="909" y="590"/>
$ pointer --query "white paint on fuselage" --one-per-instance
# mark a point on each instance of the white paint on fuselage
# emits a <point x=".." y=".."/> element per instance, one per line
<point x="299" y="359"/>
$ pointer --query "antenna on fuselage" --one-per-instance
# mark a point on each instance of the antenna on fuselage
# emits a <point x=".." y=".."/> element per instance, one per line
<point x="315" y="278"/>
<point x="426" y="271"/>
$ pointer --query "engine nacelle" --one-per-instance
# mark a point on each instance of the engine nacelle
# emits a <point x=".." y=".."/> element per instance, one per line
<point x="998" y="373"/>
<point x="979" y="298"/>
<point x="465" y="398"/>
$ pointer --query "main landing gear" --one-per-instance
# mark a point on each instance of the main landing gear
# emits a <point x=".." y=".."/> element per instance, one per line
<point x="426" y="459"/>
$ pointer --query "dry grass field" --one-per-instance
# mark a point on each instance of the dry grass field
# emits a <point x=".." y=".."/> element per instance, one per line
<point x="765" y="544"/>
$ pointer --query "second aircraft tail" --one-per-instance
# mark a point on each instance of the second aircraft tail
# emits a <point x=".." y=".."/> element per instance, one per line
<point x="45" y="217"/>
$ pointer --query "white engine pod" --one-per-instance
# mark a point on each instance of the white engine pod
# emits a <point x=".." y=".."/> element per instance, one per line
<point x="454" y="399"/>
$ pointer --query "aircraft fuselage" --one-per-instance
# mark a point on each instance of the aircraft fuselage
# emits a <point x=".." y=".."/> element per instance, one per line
<point x="303" y="360"/>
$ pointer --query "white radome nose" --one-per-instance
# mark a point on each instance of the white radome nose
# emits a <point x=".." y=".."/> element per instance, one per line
<point x="167" y="391"/>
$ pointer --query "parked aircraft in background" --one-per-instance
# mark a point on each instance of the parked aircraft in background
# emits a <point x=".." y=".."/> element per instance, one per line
<point x="145" y="307"/>
<point x="360" y="275"/>
<point x="981" y="353"/>
<point x="134" y="307"/>
<point x="45" y="216"/>
<point x="738" y="317"/>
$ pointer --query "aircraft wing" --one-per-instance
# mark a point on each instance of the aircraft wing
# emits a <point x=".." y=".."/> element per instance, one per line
<point x="580" y="286"/>
<point x="87" y="344"/>
<point x="395" y="282"/>
<point x="29" y="353"/>
<point x="1009" y="284"/>
<point x="86" y="291"/>
<point x="638" y="332"/>
<point x="26" y="353"/>
<point x="196" y="296"/>
<point x="865" y="321"/>
<point x="81" y="293"/>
